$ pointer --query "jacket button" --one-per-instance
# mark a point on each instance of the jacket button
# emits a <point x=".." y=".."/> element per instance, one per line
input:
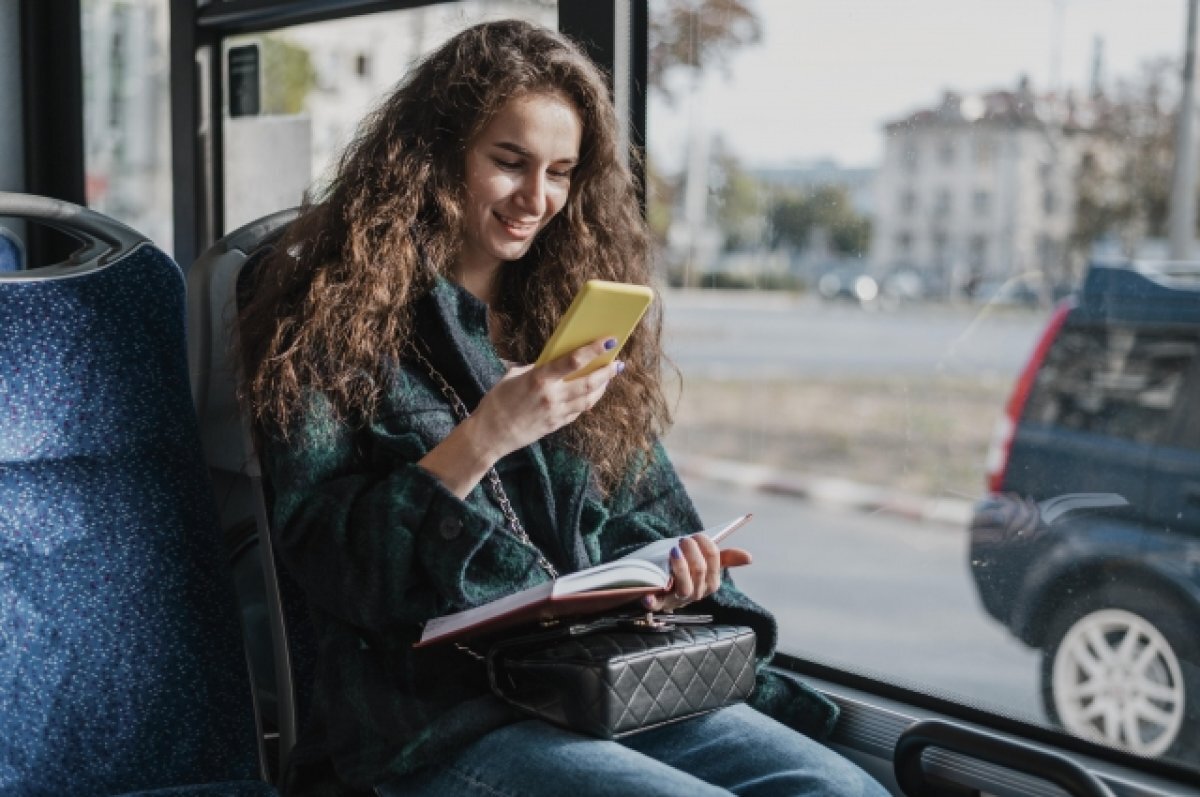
<point x="450" y="527"/>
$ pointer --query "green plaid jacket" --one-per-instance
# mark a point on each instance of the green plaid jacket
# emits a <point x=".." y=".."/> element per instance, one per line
<point x="380" y="546"/>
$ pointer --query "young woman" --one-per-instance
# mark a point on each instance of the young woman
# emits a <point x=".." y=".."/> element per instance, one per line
<point x="472" y="206"/>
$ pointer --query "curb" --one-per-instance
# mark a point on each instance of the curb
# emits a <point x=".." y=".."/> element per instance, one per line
<point x="825" y="490"/>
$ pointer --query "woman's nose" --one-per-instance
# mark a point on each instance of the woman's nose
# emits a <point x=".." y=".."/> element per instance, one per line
<point x="531" y="194"/>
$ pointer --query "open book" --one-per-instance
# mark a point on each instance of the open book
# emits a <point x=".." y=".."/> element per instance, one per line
<point x="596" y="589"/>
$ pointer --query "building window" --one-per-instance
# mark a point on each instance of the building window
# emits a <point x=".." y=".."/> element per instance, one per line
<point x="904" y="242"/>
<point x="946" y="152"/>
<point x="1049" y="202"/>
<point x="981" y="202"/>
<point x="985" y="151"/>
<point x="908" y="203"/>
<point x="941" y="205"/>
<point x="910" y="157"/>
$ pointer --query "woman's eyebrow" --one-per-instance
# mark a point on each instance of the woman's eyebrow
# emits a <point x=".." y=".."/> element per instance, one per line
<point x="517" y="149"/>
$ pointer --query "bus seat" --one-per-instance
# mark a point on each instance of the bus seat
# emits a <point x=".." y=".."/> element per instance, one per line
<point x="121" y="664"/>
<point x="279" y="632"/>
<point x="12" y="251"/>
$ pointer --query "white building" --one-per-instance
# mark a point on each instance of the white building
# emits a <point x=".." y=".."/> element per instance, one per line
<point x="979" y="189"/>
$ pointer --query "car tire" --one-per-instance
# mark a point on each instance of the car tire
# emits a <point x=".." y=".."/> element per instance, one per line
<point x="1122" y="667"/>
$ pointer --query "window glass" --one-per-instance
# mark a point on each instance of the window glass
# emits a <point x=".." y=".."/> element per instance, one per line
<point x="126" y="114"/>
<point x="316" y="82"/>
<point x="896" y="380"/>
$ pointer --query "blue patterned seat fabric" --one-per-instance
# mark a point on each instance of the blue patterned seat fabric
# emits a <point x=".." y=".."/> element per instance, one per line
<point x="121" y="664"/>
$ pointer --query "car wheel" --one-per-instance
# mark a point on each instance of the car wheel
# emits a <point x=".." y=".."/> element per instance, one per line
<point x="1121" y="669"/>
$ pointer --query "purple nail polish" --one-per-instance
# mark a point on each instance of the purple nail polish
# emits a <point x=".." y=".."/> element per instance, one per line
<point x="610" y="344"/>
<point x="676" y="553"/>
<point x="648" y="602"/>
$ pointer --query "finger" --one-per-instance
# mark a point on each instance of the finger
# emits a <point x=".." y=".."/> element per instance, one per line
<point x="735" y="557"/>
<point x="570" y="363"/>
<point x="660" y="602"/>
<point x="712" y="563"/>
<point x="684" y="585"/>
<point x="697" y="564"/>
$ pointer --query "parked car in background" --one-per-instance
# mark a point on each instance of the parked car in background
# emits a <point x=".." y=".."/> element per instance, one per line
<point x="1088" y="546"/>
<point x="852" y="284"/>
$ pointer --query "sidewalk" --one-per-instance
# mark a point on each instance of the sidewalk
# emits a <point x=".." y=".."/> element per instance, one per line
<point x="953" y="512"/>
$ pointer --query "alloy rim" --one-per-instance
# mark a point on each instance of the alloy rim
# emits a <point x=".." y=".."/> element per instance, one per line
<point x="1117" y="681"/>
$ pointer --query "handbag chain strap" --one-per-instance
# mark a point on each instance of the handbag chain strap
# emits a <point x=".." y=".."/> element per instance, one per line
<point x="493" y="478"/>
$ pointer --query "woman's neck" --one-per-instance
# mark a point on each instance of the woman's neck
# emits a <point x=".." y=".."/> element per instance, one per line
<point x="480" y="281"/>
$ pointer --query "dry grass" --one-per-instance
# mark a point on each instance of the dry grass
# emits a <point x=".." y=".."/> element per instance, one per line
<point x="922" y="435"/>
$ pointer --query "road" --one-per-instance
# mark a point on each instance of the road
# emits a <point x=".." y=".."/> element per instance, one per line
<point x="877" y="594"/>
<point x="753" y="334"/>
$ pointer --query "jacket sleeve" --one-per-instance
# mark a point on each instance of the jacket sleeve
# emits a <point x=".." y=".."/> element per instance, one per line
<point x="651" y="504"/>
<point x="375" y="539"/>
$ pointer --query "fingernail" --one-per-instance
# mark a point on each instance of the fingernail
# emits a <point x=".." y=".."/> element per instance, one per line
<point x="620" y="366"/>
<point x="676" y="553"/>
<point x="648" y="602"/>
<point x="610" y="344"/>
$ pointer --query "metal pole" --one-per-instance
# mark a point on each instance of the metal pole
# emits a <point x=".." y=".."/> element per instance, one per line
<point x="1182" y="223"/>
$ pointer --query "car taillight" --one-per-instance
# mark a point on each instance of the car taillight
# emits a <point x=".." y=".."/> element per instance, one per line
<point x="1006" y="426"/>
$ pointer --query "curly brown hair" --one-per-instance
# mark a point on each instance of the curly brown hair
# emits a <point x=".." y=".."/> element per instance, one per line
<point x="333" y="305"/>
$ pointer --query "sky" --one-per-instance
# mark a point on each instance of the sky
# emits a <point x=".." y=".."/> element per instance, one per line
<point x="829" y="73"/>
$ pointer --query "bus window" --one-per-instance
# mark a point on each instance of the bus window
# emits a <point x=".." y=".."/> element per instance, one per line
<point x="316" y="82"/>
<point x="867" y="215"/>
<point x="126" y="113"/>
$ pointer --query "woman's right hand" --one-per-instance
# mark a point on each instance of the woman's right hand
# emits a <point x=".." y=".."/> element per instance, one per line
<point x="530" y="402"/>
<point x="527" y="404"/>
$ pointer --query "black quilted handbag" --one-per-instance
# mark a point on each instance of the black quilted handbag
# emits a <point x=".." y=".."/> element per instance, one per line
<point x="619" y="675"/>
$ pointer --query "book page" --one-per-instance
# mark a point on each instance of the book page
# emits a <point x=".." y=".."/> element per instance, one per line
<point x="616" y="574"/>
<point x="659" y="551"/>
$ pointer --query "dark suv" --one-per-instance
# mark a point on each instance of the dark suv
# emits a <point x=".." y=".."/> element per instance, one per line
<point x="1088" y="546"/>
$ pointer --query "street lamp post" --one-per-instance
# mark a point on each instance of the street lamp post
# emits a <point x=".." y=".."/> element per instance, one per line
<point x="1182" y="223"/>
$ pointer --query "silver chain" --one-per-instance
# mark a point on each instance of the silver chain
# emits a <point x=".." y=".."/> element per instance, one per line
<point x="493" y="478"/>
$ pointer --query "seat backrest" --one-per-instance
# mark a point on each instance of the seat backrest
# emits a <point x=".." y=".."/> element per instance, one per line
<point x="121" y="662"/>
<point x="214" y="280"/>
<point x="12" y="251"/>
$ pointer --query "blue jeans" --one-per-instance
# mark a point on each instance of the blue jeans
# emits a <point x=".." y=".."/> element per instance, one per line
<point x="736" y="750"/>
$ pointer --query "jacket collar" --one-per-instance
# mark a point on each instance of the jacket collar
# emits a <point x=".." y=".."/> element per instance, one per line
<point x="451" y="325"/>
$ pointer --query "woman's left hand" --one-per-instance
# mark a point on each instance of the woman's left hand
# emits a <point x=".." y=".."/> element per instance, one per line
<point x="696" y="565"/>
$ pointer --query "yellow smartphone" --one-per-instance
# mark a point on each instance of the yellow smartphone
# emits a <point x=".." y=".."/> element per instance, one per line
<point x="601" y="309"/>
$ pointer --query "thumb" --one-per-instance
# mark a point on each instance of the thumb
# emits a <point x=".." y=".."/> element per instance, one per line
<point x="735" y="557"/>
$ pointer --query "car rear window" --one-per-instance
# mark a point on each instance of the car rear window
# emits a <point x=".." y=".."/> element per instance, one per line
<point x="1114" y="380"/>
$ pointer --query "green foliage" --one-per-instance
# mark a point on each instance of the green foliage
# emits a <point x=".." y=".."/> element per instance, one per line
<point x="793" y="217"/>
<point x="288" y="76"/>
<point x="720" y="280"/>
<point x="738" y="203"/>
<point x="1123" y="183"/>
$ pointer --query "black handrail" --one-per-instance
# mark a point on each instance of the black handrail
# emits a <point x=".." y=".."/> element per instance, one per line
<point x="990" y="747"/>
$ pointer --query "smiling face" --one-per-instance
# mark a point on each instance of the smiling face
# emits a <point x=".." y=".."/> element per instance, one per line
<point x="518" y="176"/>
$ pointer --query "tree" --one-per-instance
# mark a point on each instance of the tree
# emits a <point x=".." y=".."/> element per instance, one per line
<point x="1123" y="184"/>
<point x="794" y="216"/>
<point x="695" y="33"/>
<point x="737" y="197"/>
<point x="288" y="75"/>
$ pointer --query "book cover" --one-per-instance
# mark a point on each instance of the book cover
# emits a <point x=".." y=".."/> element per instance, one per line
<point x="591" y="591"/>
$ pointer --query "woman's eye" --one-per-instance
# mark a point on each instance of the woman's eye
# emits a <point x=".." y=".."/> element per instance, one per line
<point x="510" y="166"/>
<point x="559" y="174"/>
